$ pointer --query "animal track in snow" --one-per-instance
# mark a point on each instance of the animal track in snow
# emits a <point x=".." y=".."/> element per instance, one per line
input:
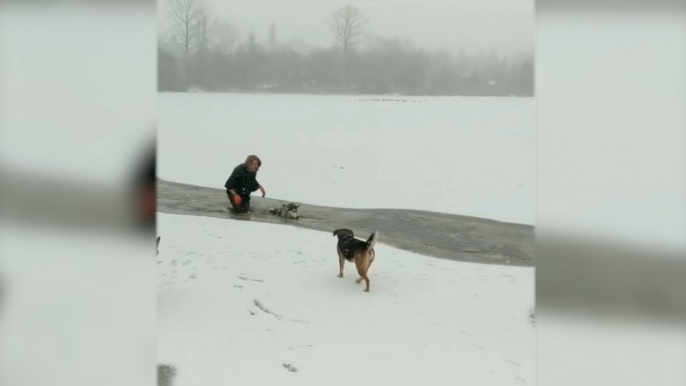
<point x="266" y="310"/>
<point x="249" y="279"/>
<point x="262" y="308"/>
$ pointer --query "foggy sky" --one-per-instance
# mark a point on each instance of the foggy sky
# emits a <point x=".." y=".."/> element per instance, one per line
<point x="475" y="25"/>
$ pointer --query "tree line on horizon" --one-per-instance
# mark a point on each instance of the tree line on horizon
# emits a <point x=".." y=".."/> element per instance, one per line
<point x="200" y="52"/>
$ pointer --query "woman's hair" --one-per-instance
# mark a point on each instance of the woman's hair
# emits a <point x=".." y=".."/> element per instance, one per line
<point x="253" y="158"/>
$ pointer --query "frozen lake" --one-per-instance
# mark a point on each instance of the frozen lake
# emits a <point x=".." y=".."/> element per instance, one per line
<point x="467" y="156"/>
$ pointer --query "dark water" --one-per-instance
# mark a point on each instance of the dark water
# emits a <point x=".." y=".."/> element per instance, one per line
<point x="440" y="235"/>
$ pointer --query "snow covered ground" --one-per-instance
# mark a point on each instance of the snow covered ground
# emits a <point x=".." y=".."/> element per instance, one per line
<point x="246" y="303"/>
<point x="468" y="156"/>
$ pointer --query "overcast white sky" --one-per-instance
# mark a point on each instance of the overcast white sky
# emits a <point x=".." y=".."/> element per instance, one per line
<point x="504" y="25"/>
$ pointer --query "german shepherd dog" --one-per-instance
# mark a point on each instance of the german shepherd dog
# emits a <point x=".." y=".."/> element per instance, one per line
<point x="358" y="251"/>
<point x="288" y="211"/>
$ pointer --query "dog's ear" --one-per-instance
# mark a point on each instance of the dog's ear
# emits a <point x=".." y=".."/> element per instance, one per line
<point x="297" y="206"/>
<point x="335" y="233"/>
<point x="284" y="205"/>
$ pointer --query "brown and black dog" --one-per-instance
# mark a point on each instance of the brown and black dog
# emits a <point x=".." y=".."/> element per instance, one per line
<point x="361" y="252"/>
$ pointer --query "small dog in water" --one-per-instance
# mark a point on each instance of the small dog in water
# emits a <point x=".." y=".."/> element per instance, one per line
<point x="358" y="251"/>
<point x="289" y="211"/>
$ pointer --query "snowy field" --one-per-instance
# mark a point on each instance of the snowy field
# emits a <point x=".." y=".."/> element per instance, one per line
<point x="468" y="156"/>
<point x="246" y="303"/>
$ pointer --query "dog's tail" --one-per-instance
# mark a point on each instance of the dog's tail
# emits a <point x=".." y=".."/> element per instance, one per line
<point x="371" y="241"/>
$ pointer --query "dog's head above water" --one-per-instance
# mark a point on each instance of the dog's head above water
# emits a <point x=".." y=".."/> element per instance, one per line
<point x="288" y="211"/>
<point x="291" y="210"/>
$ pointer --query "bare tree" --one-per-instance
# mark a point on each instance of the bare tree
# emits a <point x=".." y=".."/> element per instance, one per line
<point x="347" y="25"/>
<point x="187" y="17"/>
<point x="204" y="28"/>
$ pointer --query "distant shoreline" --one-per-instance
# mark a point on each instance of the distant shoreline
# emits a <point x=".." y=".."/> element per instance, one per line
<point x="317" y="93"/>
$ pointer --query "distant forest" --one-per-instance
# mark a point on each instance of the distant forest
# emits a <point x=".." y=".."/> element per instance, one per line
<point x="203" y="53"/>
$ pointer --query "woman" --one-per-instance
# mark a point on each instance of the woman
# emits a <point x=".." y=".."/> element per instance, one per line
<point x="242" y="182"/>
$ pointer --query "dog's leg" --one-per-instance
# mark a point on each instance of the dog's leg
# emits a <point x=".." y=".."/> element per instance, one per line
<point x="362" y="265"/>
<point x="360" y="268"/>
<point x="365" y="277"/>
<point x="365" y="269"/>
<point x="366" y="280"/>
<point x="341" y="264"/>
<point x="366" y="273"/>
<point x="360" y="271"/>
